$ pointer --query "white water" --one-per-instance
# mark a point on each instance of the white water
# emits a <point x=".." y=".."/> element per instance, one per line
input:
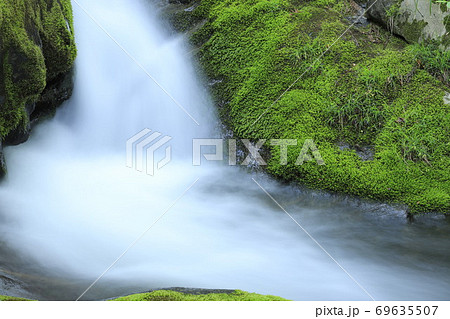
<point x="72" y="206"/>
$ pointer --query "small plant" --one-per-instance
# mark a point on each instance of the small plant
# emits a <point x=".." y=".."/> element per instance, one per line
<point x="308" y="53"/>
<point x="417" y="142"/>
<point x="446" y="2"/>
<point x="391" y="13"/>
<point x="434" y="60"/>
<point x="361" y="112"/>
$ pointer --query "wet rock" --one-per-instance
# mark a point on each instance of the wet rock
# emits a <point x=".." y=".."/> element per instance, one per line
<point x="180" y="15"/>
<point x="9" y="286"/>
<point x="55" y="93"/>
<point x="19" y="135"/>
<point x="359" y="20"/>
<point x="2" y="162"/>
<point x="180" y="1"/>
<point x="413" y="20"/>
<point x="366" y="153"/>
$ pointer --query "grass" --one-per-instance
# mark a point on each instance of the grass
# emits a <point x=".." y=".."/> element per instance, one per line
<point x="432" y="59"/>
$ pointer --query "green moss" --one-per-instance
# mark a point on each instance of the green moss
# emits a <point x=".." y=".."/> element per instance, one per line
<point x="393" y="10"/>
<point x="447" y="23"/>
<point x="446" y="37"/>
<point x="181" y="16"/>
<point x="8" y="298"/>
<point x="57" y="38"/>
<point x="412" y="31"/>
<point x="167" y="295"/>
<point x="37" y="46"/>
<point x="388" y="99"/>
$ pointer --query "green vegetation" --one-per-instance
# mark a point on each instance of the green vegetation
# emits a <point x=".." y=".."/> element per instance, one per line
<point x="37" y="46"/>
<point x="432" y="59"/>
<point x="369" y="89"/>
<point x="444" y="2"/>
<point x="8" y="298"/>
<point x="168" y="295"/>
<point x="392" y="12"/>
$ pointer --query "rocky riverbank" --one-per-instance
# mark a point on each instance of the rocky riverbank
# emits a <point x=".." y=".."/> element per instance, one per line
<point x="382" y="94"/>
<point x="186" y="294"/>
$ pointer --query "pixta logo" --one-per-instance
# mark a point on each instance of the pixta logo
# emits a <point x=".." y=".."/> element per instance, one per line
<point x="309" y="151"/>
<point x="141" y="150"/>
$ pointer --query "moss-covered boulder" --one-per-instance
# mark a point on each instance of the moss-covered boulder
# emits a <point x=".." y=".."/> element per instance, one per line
<point x="414" y="20"/>
<point x="185" y="294"/>
<point x="289" y="69"/>
<point x="173" y="295"/>
<point x="37" y="52"/>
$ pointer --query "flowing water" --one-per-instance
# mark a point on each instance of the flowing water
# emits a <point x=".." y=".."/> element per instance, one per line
<point x="70" y="206"/>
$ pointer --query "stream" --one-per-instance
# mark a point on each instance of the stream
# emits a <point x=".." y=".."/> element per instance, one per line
<point x="70" y="206"/>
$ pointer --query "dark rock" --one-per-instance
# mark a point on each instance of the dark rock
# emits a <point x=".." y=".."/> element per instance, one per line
<point x="362" y="3"/>
<point x="358" y="20"/>
<point x="19" y="135"/>
<point x="2" y="100"/>
<point x="2" y="162"/>
<point x="378" y="11"/>
<point x="55" y="93"/>
<point x="365" y="153"/>
<point x="180" y="1"/>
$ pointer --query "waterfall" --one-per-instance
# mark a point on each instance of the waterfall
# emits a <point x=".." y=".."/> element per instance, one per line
<point x="70" y="205"/>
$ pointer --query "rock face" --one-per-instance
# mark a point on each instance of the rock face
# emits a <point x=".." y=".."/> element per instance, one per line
<point x="37" y="52"/>
<point x="414" y="20"/>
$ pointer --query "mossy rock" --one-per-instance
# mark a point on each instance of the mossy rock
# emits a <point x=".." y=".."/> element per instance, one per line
<point x="369" y="89"/>
<point x="37" y="50"/>
<point x="414" y="20"/>
<point x="184" y="294"/>
<point x="170" y="295"/>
